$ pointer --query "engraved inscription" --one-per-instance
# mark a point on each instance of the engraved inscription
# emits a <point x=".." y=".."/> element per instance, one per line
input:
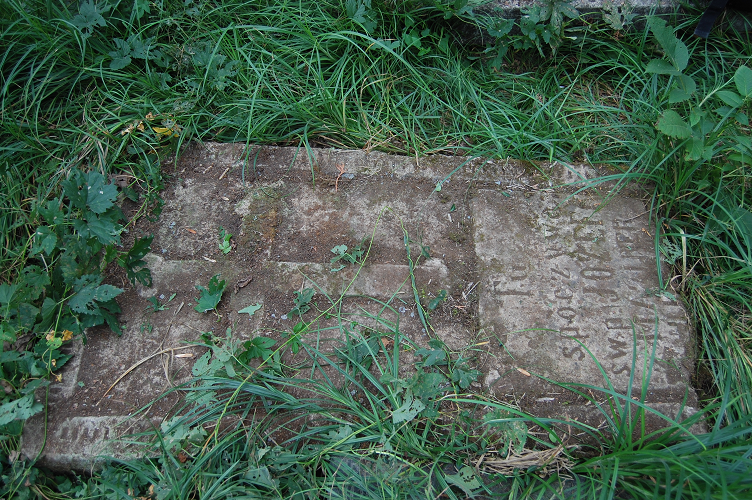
<point x="583" y="274"/>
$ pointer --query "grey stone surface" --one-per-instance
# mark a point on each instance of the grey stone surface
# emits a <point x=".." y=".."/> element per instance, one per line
<point x="618" y="12"/>
<point x="528" y="266"/>
<point x="512" y="8"/>
<point x="572" y="286"/>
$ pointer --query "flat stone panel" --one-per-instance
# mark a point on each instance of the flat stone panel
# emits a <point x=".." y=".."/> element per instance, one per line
<point x="565" y="285"/>
<point x="526" y="272"/>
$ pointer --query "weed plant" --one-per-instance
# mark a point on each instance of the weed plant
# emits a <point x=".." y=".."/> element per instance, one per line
<point x="115" y="87"/>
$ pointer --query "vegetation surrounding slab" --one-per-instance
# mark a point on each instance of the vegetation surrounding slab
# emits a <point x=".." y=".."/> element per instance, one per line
<point x="113" y="87"/>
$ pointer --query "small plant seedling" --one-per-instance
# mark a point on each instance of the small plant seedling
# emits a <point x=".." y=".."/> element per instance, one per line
<point x="670" y="251"/>
<point x="259" y="347"/>
<point x="341" y="254"/>
<point x="435" y="355"/>
<point x="210" y="296"/>
<point x="462" y="374"/>
<point x="294" y="336"/>
<point x="157" y="306"/>
<point x="439" y="298"/>
<point x="224" y="241"/>
<point x="302" y="300"/>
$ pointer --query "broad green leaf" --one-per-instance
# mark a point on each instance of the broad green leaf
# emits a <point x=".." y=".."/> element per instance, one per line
<point x="695" y="115"/>
<point x="661" y="67"/>
<point x="211" y="296"/>
<point x="432" y="356"/>
<point x="301" y="300"/>
<point x="465" y="479"/>
<point x="743" y="81"/>
<point x="105" y="293"/>
<point x="436" y="301"/>
<point x="75" y="190"/>
<point x="410" y="408"/>
<point x="27" y="315"/>
<point x="19" y="409"/>
<point x="260" y="476"/>
<point x="686" y="83"/>
<point x="134" y="260"/>
<point x="141" y="247"/>
<point x="6" y="293"/>
<point x="388" y="378"/>
<point x="304" y="296"/>
<point x="677" y="95"/>
<point x="695" y="148"/>
<point x="121" y="56"/>
<point x="339" y="251"/>
<point x="674" y="48"/>
<point x="45" y="241"/>
<point x="742" y="119"/>
<point x="201" y="366"/>
<point x="259" y="347"/>
<point x="100" y="196"/>
<point x="141" y="7"/>
<point x="427" y="385"/>
<point x="546" y="9"/>
<point x="49" y="312"/>
<point x="104" y="230"/>
<point x="498" y="29"/>
<point x="34" y="280"/>
<point x="89" y="17"/>
<point x="250" y="310"/>
<point x="730" y="98"/>
<point x="743" y="143"/>
<point x="7" y="333"/>
<point x="673" y="125"/>
<point x="51" y="212"/>
<point x="83" y="301"/>
<point x="680" y="57"/>
<point x="664" y="34"/>
<point x="341" y="435"/>
<point x="568" y="10"/>
<point x="724" y="111"/>
<point x="464" y="377"/>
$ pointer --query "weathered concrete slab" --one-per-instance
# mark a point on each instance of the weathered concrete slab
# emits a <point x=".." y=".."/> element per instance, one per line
<point x="621" y="14"/>
<point x="526" y="270"/>
<point x="513" y="8"/>
<point x="566" y="286"/>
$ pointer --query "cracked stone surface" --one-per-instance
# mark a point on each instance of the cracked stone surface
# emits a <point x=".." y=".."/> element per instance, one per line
<point x="542" y="282"/>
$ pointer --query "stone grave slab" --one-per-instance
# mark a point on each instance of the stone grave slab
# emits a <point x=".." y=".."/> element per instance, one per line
<point x="528" y="267"/>
<point x="571" y="293"/>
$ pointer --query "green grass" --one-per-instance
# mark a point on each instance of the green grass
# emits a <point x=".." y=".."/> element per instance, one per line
<point x="309" y="73"/>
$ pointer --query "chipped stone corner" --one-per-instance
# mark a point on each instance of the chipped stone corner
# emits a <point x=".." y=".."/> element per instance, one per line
<point x="82" y="443"/>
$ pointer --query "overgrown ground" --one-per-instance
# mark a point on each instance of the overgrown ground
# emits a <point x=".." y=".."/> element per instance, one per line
<point x="94" y="93"/>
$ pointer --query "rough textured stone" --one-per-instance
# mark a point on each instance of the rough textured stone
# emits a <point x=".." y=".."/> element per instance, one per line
<point x="528" y="268"/>
<point x="566" y="286"/>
